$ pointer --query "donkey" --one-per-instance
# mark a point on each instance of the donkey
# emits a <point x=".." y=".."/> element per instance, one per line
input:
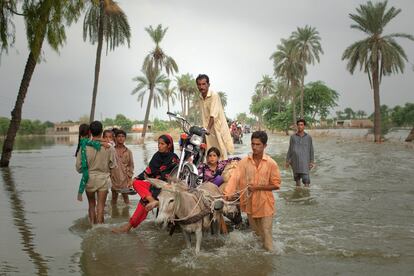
<point x="190" y="210"/>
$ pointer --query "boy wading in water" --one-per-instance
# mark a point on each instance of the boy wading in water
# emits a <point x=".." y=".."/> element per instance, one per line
<point x="99" y="164"/>
<point x="256" y="176"/>
<point x="300" y="154"/>
<point x="122" y="175"/>
<point x="84" y="141"/>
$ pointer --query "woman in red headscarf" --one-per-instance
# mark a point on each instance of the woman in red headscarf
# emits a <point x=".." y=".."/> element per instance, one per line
<point x="160" y="166"/>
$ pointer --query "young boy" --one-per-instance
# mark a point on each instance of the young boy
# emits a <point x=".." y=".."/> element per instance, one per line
<point x="259" y="174"/>
<point x="99" y="165"/>
<point x="121" y="176"/>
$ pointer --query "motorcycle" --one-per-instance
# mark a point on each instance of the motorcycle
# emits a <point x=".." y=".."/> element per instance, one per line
<point x="193" y="150"/>
<point x="192" y="153"/>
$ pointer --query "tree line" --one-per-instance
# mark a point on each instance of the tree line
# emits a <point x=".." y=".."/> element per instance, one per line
<point x="104" y="22"/>
<point x="275" y="100"/>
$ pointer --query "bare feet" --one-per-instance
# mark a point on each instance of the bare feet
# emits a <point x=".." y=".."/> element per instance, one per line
<point x="151" y="205"/>
<point x="123" y="229"/>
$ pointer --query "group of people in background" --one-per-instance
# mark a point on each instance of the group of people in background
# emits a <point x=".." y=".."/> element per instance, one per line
<point x="105" y="162"/>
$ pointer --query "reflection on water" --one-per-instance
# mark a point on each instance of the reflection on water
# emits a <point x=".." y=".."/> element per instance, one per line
<point x="24" y="227"/>
<point x="356" y="219"/>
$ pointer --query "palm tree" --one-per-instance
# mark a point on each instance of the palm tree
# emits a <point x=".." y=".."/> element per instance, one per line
<point x="43" y="20"/>
<point x="350" y="114"/>
<point x="168" y="93"/>
<point x="187" y="87"/>
<point x="104" y="19"/>
<point x="378" y="54"/>
<point x="223" y="98"/>
<point x="152" y="82"/>
<point x="361" y="114"/>
<point x="307" y="40"/>
<point x="266" y="86"/>
<point x="157" y="60"/>
<point x="7" y="29"/>
<point x="287" y="66"/>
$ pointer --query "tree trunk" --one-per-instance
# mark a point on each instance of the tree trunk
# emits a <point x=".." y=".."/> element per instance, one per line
<point x="98" y="61"/>
<point x="16" y="114"/>
<point x="168" y="106"/>
<point x="302" y="93"/>
<point x="182" y="102"/>
<point x="188" y="105"/>
<point x="410" y="136"/>
<point x="293" y="86"/>
<point x="147" y="112"/>
<point x="377" y="105"/>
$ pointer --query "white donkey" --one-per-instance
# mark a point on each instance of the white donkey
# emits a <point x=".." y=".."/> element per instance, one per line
<point x="190" y="210"/>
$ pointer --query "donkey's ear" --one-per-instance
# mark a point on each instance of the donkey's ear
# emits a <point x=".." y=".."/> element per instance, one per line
<point x="156" y="182"/>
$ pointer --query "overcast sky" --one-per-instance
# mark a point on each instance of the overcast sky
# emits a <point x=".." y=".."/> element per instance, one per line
<point x="231" y="41"/>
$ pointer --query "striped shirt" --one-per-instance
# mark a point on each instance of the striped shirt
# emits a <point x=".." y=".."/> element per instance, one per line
<point x="300" y="153"/>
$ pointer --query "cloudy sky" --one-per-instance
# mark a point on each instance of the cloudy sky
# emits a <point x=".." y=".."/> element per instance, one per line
<point x="231" y="41"/>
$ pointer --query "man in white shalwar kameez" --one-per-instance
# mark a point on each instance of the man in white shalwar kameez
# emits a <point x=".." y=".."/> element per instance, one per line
<point x="213" y="118"/>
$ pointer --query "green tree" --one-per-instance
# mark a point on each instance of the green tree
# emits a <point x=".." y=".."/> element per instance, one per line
<point x="378" y="54"/>
<point x="361" y="114"/>
<point x="349" y="113"/>
<point x="168" y="93"/>
<point x="188" y="88"/>
<point x="242" y="117"/>
<point x="156" y="61"/>
<point x="307" y="41"/>
<point x="123" y="122"/>
<point x="44" y="20"/>
<point x="104" y="19"/>
<point x="4" y="125"/>
<point x="108" y="122"/>
<point x="7" y="28"/>
<point x="403" y="116"/>
<point x="151" y="83"/>
<point x="340" y="115"/>
<point x="223" y="98"/>
<point x="266" y="86"/>
<point x="319" y="99"/>
<point x="287" y="66"/>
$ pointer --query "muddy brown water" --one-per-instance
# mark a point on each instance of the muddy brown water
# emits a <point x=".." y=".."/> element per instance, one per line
<point x="357" y="218"/>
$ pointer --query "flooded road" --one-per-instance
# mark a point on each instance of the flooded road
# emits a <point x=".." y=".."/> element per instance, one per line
<point x="357" y="218"/>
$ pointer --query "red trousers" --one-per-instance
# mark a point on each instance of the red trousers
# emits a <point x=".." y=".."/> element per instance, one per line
<point x="143" y="189"/>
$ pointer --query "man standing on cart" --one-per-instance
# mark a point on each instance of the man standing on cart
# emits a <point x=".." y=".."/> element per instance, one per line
<point x="213" y="118"/>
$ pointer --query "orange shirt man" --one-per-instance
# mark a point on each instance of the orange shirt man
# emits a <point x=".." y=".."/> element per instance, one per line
<point x="258" y="175"/>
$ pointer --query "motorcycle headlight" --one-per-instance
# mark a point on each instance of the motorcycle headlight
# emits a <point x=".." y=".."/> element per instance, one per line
<point x="190" y="147"/>
<point x="196" y="140"/>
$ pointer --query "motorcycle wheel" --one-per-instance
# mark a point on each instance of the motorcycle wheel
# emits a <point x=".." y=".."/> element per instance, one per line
<point x="187" y="176"/>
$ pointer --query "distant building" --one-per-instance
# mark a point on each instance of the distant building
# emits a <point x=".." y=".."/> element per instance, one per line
<point x="66" y="128"/>
<point x="355" y="123"/>
<point x="140" y="127"/>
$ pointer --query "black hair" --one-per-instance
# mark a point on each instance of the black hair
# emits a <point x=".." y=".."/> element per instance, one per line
<point x="261" y="135"/>
<point x="83" y="132"/>
<point x="301" y="120"/>
<point x="96" y="128"/>
<point x="168" y="140"/>
<point x="119" y="131"/>
<point x="215" y="150"/>
<point x="108" y="131"/>
<point x="203" y="76"/>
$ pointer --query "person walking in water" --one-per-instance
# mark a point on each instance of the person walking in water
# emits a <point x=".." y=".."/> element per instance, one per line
<point x="213" y="118"/>
<point x="256" y="177"/>
<point x="300" y="155"/>
<point x="99" y="164"/>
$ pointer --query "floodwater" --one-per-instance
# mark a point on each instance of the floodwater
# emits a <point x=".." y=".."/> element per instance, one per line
<point x="357" y="218"/>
